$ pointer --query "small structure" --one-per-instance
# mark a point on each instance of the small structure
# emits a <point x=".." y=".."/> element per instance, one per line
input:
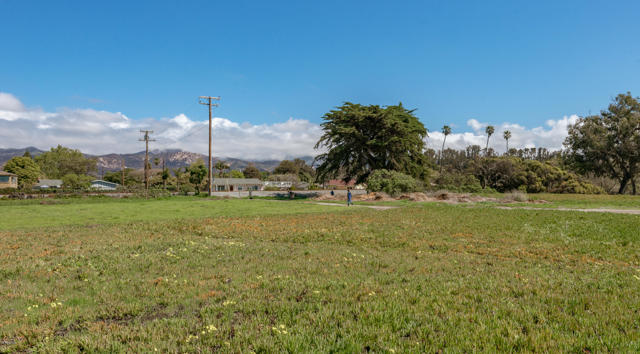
<point x="8" y="180"/>
<point x="283" y="185"/>
<point x="236" y="184"/>
<point x="104" y="185"/>
<point x="48" y="184"/>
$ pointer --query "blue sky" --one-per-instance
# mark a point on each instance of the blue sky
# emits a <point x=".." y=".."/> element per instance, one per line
<point x="517" y="62"/>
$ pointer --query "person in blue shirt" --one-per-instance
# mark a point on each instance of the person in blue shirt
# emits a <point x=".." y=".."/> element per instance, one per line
<point x="349" y="202"/>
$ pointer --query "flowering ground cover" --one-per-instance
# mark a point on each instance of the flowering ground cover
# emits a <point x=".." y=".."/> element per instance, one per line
<point x="269" y="276"/>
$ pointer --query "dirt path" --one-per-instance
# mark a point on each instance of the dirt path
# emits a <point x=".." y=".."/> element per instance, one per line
<point x="595" y="210"/>
<point x="376" y="207"/>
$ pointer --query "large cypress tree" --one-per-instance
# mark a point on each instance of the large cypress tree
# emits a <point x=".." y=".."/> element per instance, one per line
<point x="360" y="139"/>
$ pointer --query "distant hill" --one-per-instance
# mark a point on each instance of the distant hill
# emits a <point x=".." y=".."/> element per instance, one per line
<point x="7" y="154"/>
<point x="173" y="159"/>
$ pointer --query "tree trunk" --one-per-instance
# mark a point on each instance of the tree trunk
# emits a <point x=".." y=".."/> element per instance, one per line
<point x="633" y="186"/>
<point x="623" y="184"/>
<point x="486" y="148"/>
<point x="441" y="152"/>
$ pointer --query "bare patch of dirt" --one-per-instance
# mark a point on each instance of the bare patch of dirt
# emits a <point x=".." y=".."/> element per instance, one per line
<point x="439" y="196"/>
<point x="373" y="197"/>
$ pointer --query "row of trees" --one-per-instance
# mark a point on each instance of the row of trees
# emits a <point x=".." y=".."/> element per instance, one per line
<point x="489" y="130"/>
<point x="77" y="171"/>
<point x="360" y="140"/>
<point x="69" y="165"/>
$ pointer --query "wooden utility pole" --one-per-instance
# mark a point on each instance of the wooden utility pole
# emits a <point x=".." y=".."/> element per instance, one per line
<point x="164" y="181"/>
<point x="122" y="170"/>
<point x="146" y="139"/>
<point x="207" y="100"/>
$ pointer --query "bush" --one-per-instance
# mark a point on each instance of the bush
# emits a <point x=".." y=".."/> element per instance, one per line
<point x="511" y="173"/>
<point x="457" y="182"/>
<point x="391" y="182"/>
<point x="187" y="188"/>
<point x="74" y="182"/>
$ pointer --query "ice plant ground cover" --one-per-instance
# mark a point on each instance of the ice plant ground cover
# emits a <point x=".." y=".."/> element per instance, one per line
<point x="256" y="275"/>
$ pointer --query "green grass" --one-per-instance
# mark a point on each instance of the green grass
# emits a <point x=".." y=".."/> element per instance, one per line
<point x="103" y="211"/>
<point x="421" y="278"/>
<point x="587" y="201"/>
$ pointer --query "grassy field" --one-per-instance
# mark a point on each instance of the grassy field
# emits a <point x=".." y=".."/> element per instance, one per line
<point x="264" y="276"/>
<point x="105" y="211"/>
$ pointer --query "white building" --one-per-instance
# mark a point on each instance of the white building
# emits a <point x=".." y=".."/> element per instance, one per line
<point x="104" y="185"/>
<point x="48" y="184"/>
<point x="278" y="184"/>
<point x="236" y="184"/>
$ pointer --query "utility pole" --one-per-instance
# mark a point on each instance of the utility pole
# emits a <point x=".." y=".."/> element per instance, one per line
<point x="122" y="170"/>
<point x="164" y="181"/>
<point x="146" y="139"/>
<point x="207" y="100"/>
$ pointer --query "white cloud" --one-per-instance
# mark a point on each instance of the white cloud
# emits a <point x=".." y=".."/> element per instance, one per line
<point x="102" y="132"/>
<point x="550" y="137"/>
<point x="9" y="102"/>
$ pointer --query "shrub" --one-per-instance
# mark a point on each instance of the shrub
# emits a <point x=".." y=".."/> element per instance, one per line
<point x="512" y="173"/>
<point x="187" y="188"/>
<point x="391" y="182"/>
<point x="457" y="182"/>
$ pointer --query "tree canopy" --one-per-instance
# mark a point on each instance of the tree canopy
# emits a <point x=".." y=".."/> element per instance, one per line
<point x="251" y="171"/>
<point x="60" y="161"/>
<point x="359" y="139"/>
<point x="297" y="167"/>
<point x="72" y="181"/>
<point x="197" y="172"/>
<point x="608" y="144"/>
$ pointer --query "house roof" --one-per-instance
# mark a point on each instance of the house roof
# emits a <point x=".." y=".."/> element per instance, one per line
<point x="104" y="182"/>
<point x="49" y="182"/>
<point x="236" y="181"/>
<point x="4" y="173"/>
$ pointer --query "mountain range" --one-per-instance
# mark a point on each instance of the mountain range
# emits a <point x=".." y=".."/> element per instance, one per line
<point x="172" y="159"/>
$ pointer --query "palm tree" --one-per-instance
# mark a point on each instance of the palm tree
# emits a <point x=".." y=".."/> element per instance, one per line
<point x="221" y="166"/>
<point x="178" y="173"/>
<point x="446" y="130"/>
<point x="507" y="135"/>
<point x="489" y="130"/>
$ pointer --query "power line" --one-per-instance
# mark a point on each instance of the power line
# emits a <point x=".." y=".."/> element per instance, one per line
<point x="146" y="139"/>
<point x="207" y="100"/>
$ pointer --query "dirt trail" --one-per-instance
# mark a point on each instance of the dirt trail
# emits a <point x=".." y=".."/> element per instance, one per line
<point x="376" y="207"/>
<point x="594" y="210"/>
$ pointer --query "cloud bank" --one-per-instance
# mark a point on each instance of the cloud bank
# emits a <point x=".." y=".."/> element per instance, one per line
<point x="102" y="132"/>
<point x="550" y="137"/>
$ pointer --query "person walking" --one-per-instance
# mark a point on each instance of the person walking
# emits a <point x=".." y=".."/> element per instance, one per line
<point x="349" y="202"/>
